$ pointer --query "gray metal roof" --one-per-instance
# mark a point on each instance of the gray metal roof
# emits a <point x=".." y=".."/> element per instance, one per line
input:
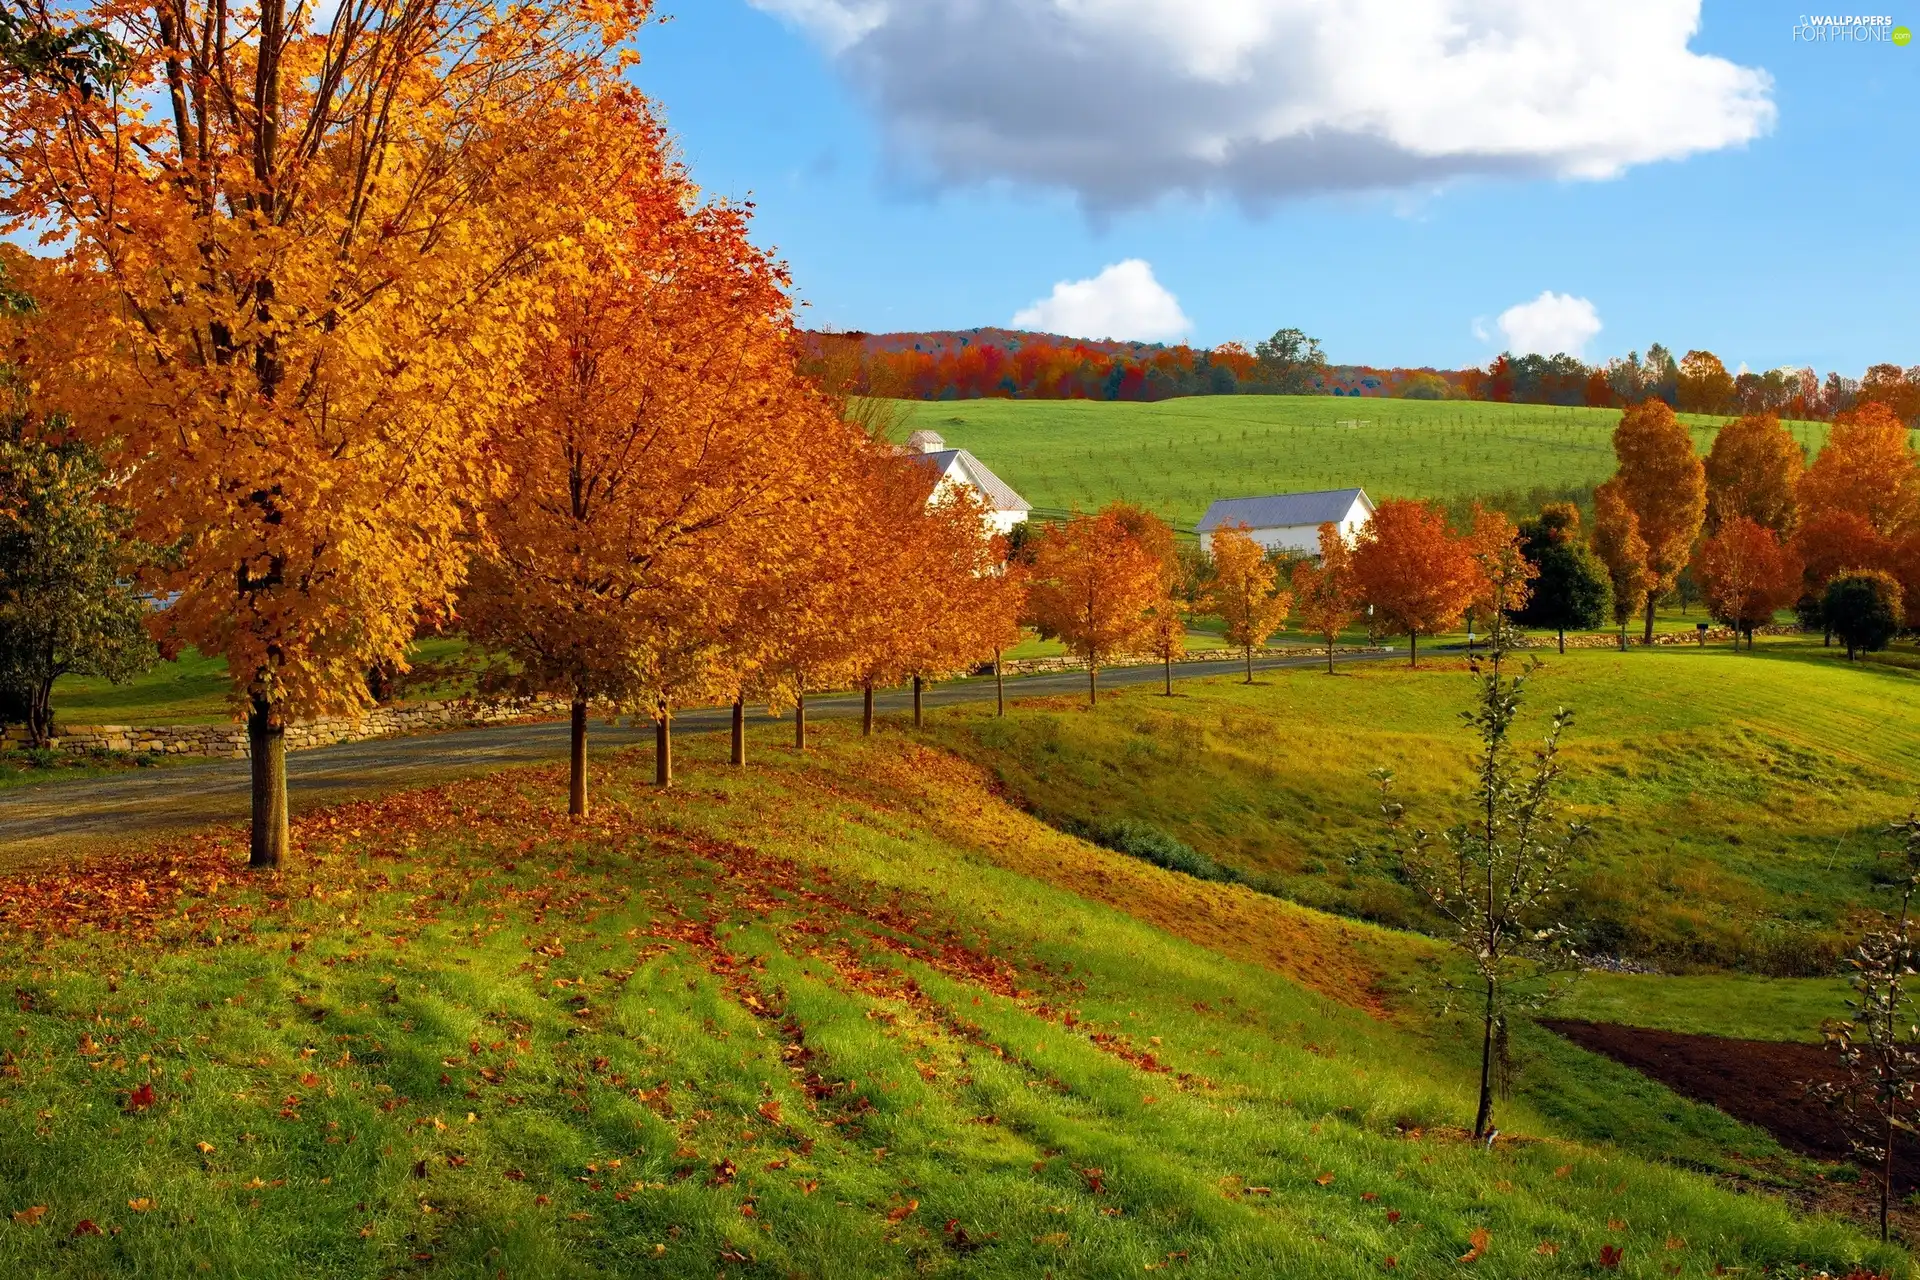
<point x="1283" y="510"/>
<point x="999" y="495"/>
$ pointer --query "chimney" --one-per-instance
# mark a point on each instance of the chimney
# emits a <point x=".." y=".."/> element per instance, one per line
<point x="925" y="442"/>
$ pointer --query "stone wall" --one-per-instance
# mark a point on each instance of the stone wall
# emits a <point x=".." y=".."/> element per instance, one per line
<point x="1721" y="635"/>
<point x="229" y="741"/>
<point x="1048" y="666"/>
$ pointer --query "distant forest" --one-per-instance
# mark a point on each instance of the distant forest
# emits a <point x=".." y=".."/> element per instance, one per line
<point x="1007" y="364"/>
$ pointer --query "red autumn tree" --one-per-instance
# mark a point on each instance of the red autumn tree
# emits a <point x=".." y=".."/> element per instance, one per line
<point x="1325" y="593"/>
<point x="1748" y="573"/>
<point x="1753" y="470"/>
<point x="1094" y="588"/>
<point x="1663" y="482"/>
<point x="1418" y="576"/>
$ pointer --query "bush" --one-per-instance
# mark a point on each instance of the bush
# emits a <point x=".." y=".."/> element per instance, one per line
<point x="1864" y="609"/>
<point x="1150" y="844"/>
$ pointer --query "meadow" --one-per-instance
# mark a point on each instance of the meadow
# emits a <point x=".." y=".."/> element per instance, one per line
<point x="853" y="1013"/>
<point x="1176" y="456"/>
<point x="1738" y="800"/>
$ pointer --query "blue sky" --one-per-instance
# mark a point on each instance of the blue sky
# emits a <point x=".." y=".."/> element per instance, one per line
<point x="1796" y="246"/>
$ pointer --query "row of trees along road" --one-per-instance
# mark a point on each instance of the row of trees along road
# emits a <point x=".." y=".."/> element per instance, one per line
<point x="410" y="316"/>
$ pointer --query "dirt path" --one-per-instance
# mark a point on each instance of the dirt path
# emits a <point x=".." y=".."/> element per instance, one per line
<point x="51" y="817"/>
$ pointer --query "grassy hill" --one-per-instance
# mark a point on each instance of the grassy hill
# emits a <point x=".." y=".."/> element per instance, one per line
<point x="1176" y="456"/>
<point x="1738" y="799"/>
<point x="848" y="1014"/>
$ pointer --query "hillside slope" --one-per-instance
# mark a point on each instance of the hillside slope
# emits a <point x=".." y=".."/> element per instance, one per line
<point x="852" y="1014"/>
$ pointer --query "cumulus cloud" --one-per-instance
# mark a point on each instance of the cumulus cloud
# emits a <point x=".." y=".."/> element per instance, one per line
<point x="1123" y="101"/>
<point x="1550" y="324"/>
<point x="1122" y="302"/>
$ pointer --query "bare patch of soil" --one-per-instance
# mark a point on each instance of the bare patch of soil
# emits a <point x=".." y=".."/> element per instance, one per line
<point x="1762" y="1082"/>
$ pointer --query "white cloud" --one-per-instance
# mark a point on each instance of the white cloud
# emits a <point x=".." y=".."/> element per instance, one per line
<point x="1122" y="302"/>
<point x="1552" y="323"/>
<point x="1123" y="101"/>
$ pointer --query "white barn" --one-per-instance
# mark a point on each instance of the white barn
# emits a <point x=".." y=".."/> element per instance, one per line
<point x="1288" y="521"/>
<point x="1005" y="508"/>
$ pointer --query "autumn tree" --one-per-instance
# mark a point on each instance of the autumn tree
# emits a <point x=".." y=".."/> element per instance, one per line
<point x="1617" y="541"/>
<point x="1243" y="590"/>
<point x="1753" y="470"/>
<point x="1864" y="608"/>
<point x="1506" y="575"/>
<point x="1418" y="576"/>
<point x="1325" y="592"/>
<point x="948" y="632"/>
<point x="1663" y="483"/>
<point x="1831" y="542"/>
<point x="1093" y="588"/>
<point x="664" y="457"/>
<point x="1867" y="468"/>
<point x="1705" y="386"/>
<point x="296" y="255"/>
<point x="1749" y="573"/>
<point x="1571" y="590"/>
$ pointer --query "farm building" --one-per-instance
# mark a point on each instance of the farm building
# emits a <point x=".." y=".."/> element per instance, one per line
<point x="1288" y="521"/>
<point x="1005" y="508"/>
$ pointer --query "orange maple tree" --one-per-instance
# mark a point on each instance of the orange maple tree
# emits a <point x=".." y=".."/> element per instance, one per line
<point x="668" y="452"/>
<point x="1753" y="470"/>
<point x="1506" y="575"/>
<point x="1830" y="542"/>
<point x="1748" y="572"/>
<point x="1094" y="587"/>
<point x="1868" y="468"/>
<point x="1243" y="590"/>
<point x="1663" y="482"/>
<point x="1617" y="541"/>
<point x="1419" y="577"/>
<point x="1325" y="594"/>
<point x="297" y="257"/>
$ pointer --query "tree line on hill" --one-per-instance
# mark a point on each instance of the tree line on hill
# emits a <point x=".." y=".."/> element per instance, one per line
<point x="1000" y="364"/>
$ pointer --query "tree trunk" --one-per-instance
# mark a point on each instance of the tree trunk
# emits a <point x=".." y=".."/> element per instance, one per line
<point x="999" y="686"/>
<point x="1168" y="655"/>
<point x="919" y="686"/>
<point x="1093" y="684"/>
<point x="1886" y="1177"/>
<point x="40" y="713"/>
<point x="577" y="784"/>
<point x="1563" y="640"/>
<point x="866" y="709"/>
<point x="1483" y="1119"/>
<point x="1413" y="648"/>
<point x="267" y="745"/>
<point x="663" y="746"/>
<point x="1249" y="649"/>
<point x="740" y="730"/>
<point x="800" y="719"/>
<point x="1651" y="605"/>
<point x="1330" y="640"/>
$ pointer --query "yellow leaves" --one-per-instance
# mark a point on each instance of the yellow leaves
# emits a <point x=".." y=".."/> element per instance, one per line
<point x="141" y="1204"/>
<point x="1547" y="1249"/>
<point x="30" y="1217"/>
<point x="1477" y="1243"/>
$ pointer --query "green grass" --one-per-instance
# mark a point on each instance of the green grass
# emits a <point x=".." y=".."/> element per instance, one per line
<point x="193" y="689"/>
<point x="1176" y="456"/>
<point x="846" y="1015"/>
<point x="1738" y="800"/>
<point x="1736" y="1005"/>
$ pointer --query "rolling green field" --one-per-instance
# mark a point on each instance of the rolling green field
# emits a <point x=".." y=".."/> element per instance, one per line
<point x="849" y="1014"/>
<point x="1178" y="455"/>
<point x="1738" y="800"/>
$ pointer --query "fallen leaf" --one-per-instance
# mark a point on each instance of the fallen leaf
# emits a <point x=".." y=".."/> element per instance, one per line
<point x="1393" y="1216"/>
<point x="1563" y="1171"/>
<point x="141" y="1098"/>
<point x="1478" y="1240"/>
<point x="1547" y="1249"/>
<point x="86" y="1227"/>
<point x="141" y="1205"/>
<point x="1610" y="1256"/>
<point x="1615" y="1224"/>
<point x="1675" y="1243"/>
<point x="1325" y="1179"/>
<point x="770" y="1111"/>
<point x="204" y="1148"/>
<point x="29" y="1217"/>
<point x="898" y="1212"/>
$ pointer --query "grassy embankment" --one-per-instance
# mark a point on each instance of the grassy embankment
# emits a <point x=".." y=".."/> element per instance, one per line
<point x="853" y="1014"/>
<point x="1737" y="799"/>
<point x="1178" y="455"/>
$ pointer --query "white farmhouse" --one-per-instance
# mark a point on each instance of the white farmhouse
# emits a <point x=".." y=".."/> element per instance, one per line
<point x="1288" y="521"/>
<point x="1005" y="508"/>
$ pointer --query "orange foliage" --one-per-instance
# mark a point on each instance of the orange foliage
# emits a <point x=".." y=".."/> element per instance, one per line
<point x="1664" y="484"/>
<point x="1094" y="587"/>
<point x="1419" y="577"/>
<point x="1830" y="542"/>
<point x="1753" y="470"/>
<point x="1617" y="541"/>
<point x="1748" y="573"/>
<point x="1506" y="575"/>
<point x="1325" y="594"/>
<point x="1244" y="593"/>
<point x="1867" y="468"/>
